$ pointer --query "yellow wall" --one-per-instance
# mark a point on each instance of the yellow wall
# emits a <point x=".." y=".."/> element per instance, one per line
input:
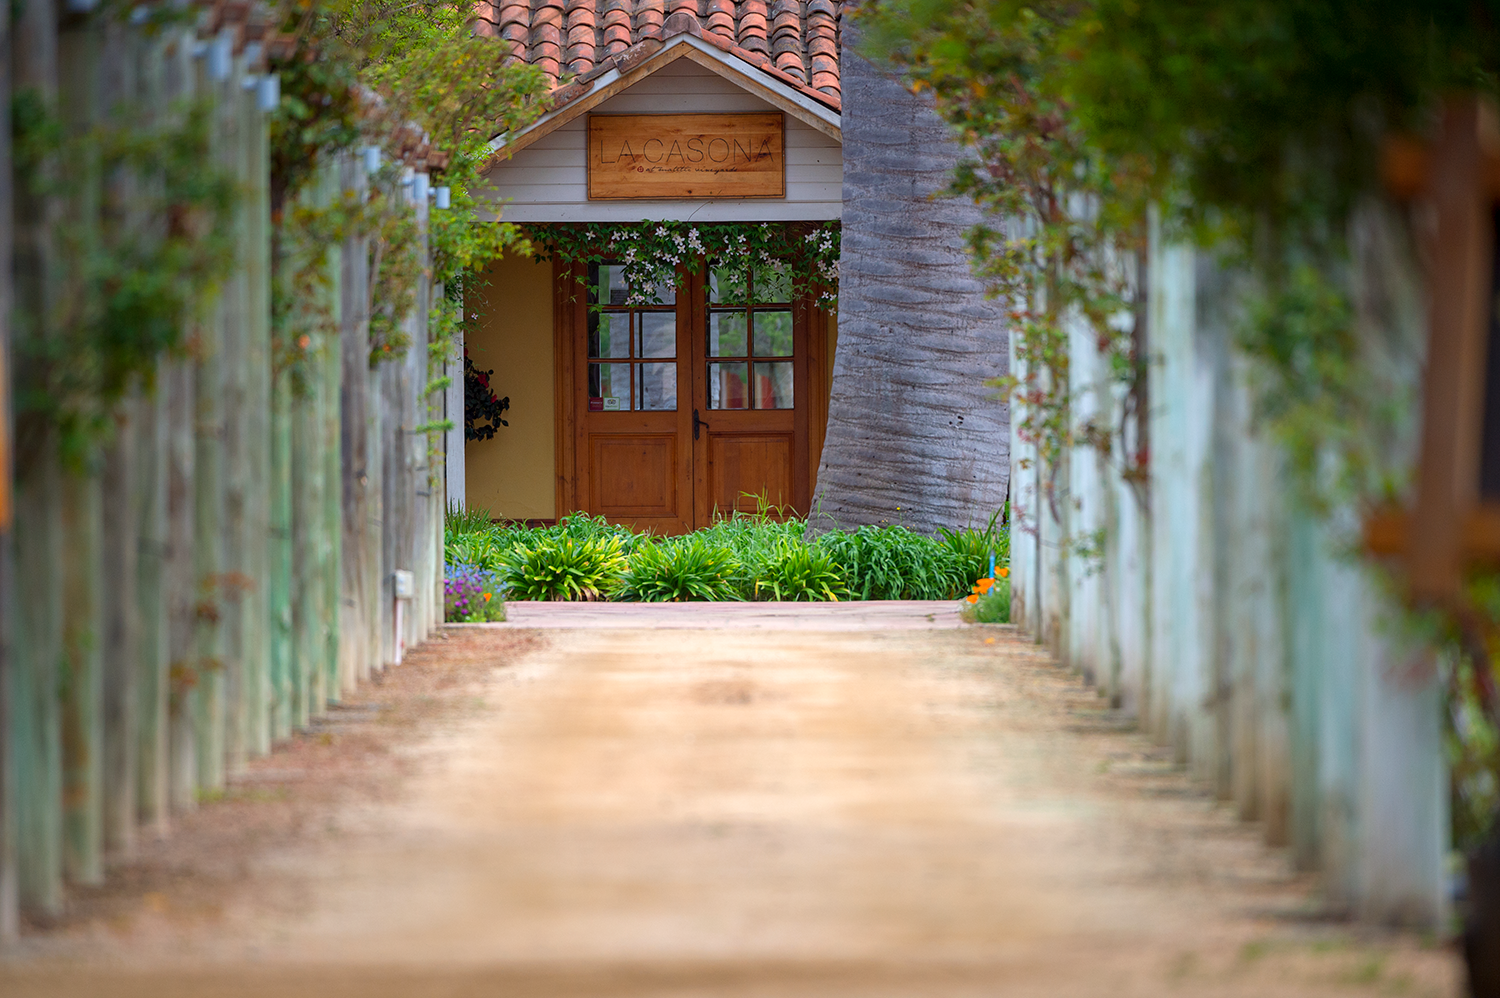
<point x="514" y="474"/>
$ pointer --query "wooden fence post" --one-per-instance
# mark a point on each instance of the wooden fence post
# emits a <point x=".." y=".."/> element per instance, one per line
<point x="37" y="616"/>
<point x="256" y="258"/>
<point x="235" y="579"/>
<point x="356" y="602"/>
<point x="9" y="799"/>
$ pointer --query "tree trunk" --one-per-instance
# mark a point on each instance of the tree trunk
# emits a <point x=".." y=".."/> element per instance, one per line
<point x="915" y="437"/>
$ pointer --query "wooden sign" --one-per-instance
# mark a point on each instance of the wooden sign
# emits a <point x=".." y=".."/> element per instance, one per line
<point x="669" y="156"/>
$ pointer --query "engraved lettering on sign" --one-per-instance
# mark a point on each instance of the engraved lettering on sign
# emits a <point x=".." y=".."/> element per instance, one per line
<point x="665" y="156"/>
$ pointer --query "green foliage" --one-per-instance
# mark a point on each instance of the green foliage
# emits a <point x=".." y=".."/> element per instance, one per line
<point x="974" y="549"/>
<point x="563" y="567"/>
<point x="992" y="607"/>
<point x="466" y="520"/>
<point x="895" y="563"/>
<point x="143" y="232"/>
<point x="804" y="255"/>
<point x="677" y="569"/>
<point x="800" y="572"/>
<point x="741" y="556"/>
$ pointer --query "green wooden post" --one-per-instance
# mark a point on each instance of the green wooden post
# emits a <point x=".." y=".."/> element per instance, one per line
<point x="120" y="525"/>
<point x="82" y="681"/>
<point x="235" y="577"/>
<point x="153" y="650"/>
<point x="153" y="658"/>
<point x="281" y="559"/>
<point x="37" y="607"/>
<point x="331" y="360"/>
<point x="181" y="584"/>
<point x="210" y="470"/>
<point x="10" y="922"/>
<point x="257" y="263"/>
<point x="356" y="605"/>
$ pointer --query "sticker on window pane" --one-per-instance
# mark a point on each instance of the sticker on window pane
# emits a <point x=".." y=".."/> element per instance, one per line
<point x="726" y="334"/>
<point x="773" y="284"/>
<point x="728" y="387"/>
<point x="658" y="387"/>
<point x="611" y="383"/>
<point x="658" y="334"/>
<point x="607" y="284"/>
<point x="773" y="385"/>
<point x="609" y="334"/>
<point x="773" y="334"/>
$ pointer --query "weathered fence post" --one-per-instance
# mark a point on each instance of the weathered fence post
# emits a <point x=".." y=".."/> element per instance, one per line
<point x="37" y="738"/>
<point x="256" y="261"/>
<point x="9" y="799"/>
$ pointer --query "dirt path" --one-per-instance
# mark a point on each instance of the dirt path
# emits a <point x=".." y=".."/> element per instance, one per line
<point x="837" y="809"/>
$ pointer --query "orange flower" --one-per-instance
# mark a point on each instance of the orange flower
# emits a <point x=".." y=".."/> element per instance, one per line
<point x="971" y="599"/>
<point x="984" y="585"/>
<point x="486" y="597"/>
<point x="1003" y="573"/>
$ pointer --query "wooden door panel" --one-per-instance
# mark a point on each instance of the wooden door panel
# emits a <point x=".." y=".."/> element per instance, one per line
<point x="635" y="476"/>
<point x="743" y="467"/>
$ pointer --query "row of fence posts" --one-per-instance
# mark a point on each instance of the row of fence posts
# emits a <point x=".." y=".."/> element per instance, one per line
<point x="222" y="567"/>
<point x="1233" y="622"/>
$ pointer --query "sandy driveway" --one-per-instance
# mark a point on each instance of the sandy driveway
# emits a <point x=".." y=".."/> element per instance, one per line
<point x="861" y="804"/>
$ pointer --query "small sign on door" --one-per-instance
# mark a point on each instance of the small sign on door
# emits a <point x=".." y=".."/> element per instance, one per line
<point x="611" y="404"/>
<point x="596" y="404"/>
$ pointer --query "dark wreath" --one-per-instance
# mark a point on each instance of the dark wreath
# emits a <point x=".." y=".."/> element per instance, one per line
<point x="483" y="411"/>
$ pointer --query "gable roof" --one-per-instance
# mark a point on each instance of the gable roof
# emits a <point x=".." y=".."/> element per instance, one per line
<point x="794" y="44"/>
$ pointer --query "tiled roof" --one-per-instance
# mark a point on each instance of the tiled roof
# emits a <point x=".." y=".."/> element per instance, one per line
<point x="793" y="41"/>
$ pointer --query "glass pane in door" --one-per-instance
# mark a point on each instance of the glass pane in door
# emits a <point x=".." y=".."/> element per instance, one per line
<point x="773" y="334"/>
<point x="728" y="386"/>
<point x="726" y="334"/>
<point x="773" y="385"/>
<point x="609" y="334"/>
<point x="658" y="334"/>
<point x="658" y="387"/>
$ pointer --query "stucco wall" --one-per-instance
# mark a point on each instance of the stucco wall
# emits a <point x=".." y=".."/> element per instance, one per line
<point x="514" y="474"/>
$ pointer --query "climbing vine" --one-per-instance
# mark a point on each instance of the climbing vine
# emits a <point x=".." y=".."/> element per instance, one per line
<point x="652" y="252"/>
<point x="124" y="287"/>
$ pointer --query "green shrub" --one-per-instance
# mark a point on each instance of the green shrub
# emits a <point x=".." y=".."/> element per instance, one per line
<point x="466" y="520"/>
<point x="798" y="571"/>
<point x="895" y="563"/>
<point x="973" y="548"/>
<point x="563" y="568"/>
<point x="991" y="608"/>
<point x="686" y="568"/>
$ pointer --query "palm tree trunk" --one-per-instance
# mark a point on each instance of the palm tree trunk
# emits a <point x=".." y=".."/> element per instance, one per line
<point x="914" y="435"/>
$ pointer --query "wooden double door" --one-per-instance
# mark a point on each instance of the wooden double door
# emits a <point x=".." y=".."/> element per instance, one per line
<point x="692" y="405"/>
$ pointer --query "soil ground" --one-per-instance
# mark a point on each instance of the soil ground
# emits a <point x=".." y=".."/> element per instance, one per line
<point x="861" y="801"/>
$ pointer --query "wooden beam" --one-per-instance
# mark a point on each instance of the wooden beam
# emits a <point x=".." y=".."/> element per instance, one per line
<point x="1453" y="381"/>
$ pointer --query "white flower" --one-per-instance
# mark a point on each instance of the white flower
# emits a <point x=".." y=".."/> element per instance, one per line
<point x="660" y="231"/>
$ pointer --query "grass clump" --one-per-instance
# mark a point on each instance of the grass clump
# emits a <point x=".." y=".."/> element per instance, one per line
<point x="801" y="573"/>
<point x="679" y="569"/>
<point x="560" y="567"/>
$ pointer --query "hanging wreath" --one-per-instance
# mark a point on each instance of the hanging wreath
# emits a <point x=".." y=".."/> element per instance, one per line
<point x="483" y="411"/>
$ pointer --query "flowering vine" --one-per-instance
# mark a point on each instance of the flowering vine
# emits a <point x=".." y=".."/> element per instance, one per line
<point x="652" y="252"/>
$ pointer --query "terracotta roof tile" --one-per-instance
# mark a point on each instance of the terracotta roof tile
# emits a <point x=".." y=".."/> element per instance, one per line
<point x="793" y="41"/>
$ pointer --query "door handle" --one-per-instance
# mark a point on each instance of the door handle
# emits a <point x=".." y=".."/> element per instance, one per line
<point x="697" y="424"/>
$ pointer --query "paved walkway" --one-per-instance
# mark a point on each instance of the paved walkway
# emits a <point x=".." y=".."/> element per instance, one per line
<point x="857" y="801"/>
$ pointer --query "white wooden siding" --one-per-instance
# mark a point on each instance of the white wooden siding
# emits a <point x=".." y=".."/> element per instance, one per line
<point x="546" y="181"/>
